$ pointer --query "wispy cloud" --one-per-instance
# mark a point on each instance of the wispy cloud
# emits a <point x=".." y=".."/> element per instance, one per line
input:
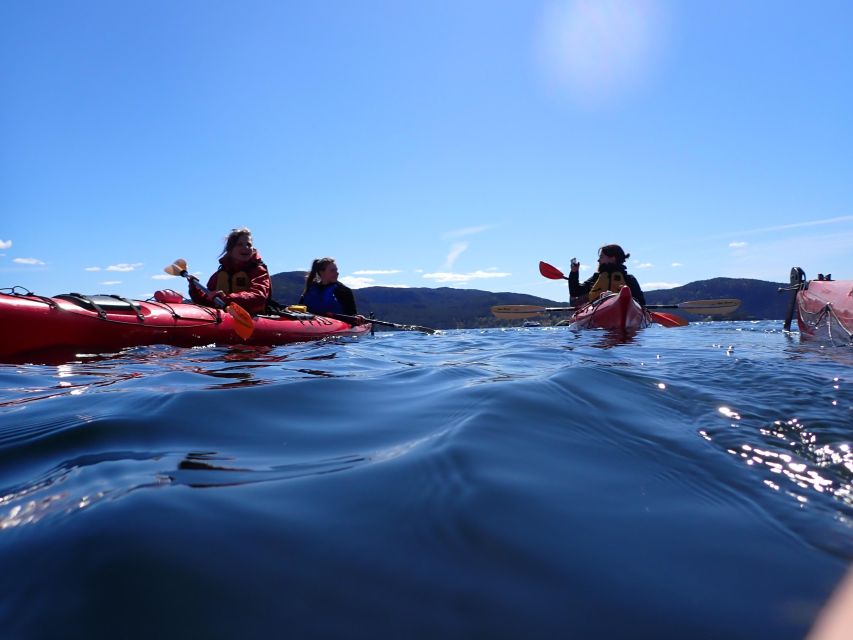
<point x="444" y="276"/>
<point x="467" y="231"/>
<point x="92" y="269"/>
<point x="597" y="50"/>
<point x="738" y="244"/>
<point x="840" y="220"/>
<point x="28" y="261"/>
<point x="162" y="276"/>
<point x="5" y="244"/>
<point x="110" y="282"/>
<point x="797" y="225"/>
<point x="376" y="272"/>
<point x="643" y="265"/>
<point x="456" y="250"/>
<point x="124" y="266"/>
<point x="677" y="264"/>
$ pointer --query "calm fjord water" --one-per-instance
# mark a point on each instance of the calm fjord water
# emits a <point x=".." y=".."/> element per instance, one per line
<point x="525" y="483"/>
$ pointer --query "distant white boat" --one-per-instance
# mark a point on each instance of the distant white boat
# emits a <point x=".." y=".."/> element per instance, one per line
<point x="531" y="323"/>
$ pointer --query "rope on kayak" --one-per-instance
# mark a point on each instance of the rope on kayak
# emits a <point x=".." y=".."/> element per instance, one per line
<point x="26" y="293"/>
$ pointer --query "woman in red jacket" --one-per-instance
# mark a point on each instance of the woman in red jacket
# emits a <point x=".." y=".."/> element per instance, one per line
<point x="242" y="277"/>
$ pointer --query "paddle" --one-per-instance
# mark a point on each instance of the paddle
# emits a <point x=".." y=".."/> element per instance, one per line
<point x="385" y="323"/>
<point x="243" y="323"/>
<point x="551" y="272"/>
<point x="668" y="319"/>
<point x="522" y="311"/>
<point x="701" y="307"/>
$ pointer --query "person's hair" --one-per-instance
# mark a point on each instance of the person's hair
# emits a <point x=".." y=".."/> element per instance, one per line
<point x="232" y="238"/>
<point x="313" y="276"/>
<point x="614" y="251"/>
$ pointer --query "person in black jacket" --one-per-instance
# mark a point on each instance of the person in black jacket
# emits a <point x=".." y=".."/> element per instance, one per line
<point x="323" y="294"/>
<point x="611" y="276"/>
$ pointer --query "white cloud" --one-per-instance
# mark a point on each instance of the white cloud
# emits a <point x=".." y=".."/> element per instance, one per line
<point x="92" y="269"/>
<point x="455" y="251"/>
<point x="110" y="282"/>
<point x="738" y="244"/>
<point x="5" y="244"/>
<point x="467" y="231"/>
<point x="595" y="50"/>
<point x="357" y="283"/>
<point x="162" y="276"/>
<point x="644" y="265"/>
<point x="376" y="272"/>
<point x="677" y="264"/>
<point x="124" y="266"/>
<point x="652" y="286"/>
<point x="465" y="277"/>
<point x="27" y="261"/>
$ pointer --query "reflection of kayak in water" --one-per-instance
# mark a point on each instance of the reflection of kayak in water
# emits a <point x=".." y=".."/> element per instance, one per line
<point x="36" y="327"/>
<point x="611" y="311"/>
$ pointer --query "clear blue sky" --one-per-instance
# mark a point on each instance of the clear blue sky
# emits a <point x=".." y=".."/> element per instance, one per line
<point x="442" y="143"/>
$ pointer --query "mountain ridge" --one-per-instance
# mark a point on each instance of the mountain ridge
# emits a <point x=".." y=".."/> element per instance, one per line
<point x="449" y="308"/>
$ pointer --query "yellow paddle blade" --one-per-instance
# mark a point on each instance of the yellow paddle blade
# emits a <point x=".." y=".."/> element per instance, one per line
<point x="711" y="307"/>
<point x="517" y="311"/>
<point x="178" y="267"/>
<point x="521" y="311"/>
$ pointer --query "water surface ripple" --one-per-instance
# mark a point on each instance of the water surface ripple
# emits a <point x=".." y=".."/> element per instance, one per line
<point x="538" y="483"/>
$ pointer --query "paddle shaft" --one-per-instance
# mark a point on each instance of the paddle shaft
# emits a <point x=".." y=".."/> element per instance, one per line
<point x="244" y="326"/>
<point x="384" y="323"/>
<point x="218" y="302"/>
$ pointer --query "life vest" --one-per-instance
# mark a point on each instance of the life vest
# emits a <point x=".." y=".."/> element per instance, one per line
<point x="607" y="281"/>
<point x="232" y="282"/>
<point x="321" y="299"/>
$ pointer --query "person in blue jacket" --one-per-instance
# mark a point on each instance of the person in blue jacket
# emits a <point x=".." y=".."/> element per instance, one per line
<point x="323" y="294"/>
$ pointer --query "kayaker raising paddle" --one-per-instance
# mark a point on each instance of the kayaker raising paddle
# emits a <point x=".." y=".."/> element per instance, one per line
<point x="242" y="277"/>
<point x="611" y="276"/>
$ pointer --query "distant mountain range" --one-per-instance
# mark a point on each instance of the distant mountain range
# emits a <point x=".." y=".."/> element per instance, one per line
<point x="446" y="308"/>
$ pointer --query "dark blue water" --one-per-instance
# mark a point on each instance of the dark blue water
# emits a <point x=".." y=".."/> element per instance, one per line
<point x="527" y="483"/>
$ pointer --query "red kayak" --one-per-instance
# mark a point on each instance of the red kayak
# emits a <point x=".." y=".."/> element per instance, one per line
<point x="824" y="308"/>
<point x="612" y="311"/>
<point x="37" y="329"/>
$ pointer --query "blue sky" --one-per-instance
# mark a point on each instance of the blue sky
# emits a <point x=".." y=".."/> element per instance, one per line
<point x="441" y="143"/>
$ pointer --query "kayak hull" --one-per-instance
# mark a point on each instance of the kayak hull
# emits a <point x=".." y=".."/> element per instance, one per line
<point x="615" y="311"/>
<point x="38" y="326"/>
<point x="825" y="311"/>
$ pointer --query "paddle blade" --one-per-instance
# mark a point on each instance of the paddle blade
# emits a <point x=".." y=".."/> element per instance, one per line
<point x="711" y="307"/>
<point x="517" y="311"/>
<point x="415" y="327"/>
<point x="172" y="270"/>
<point x="181" y="264"/>
<point x="550" y="272"/>
<point x="244" y="326"/>
<point x="668" y="319"/>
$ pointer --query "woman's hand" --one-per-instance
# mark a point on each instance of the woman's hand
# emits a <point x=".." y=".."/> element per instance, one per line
<point x="575" y="266"/>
